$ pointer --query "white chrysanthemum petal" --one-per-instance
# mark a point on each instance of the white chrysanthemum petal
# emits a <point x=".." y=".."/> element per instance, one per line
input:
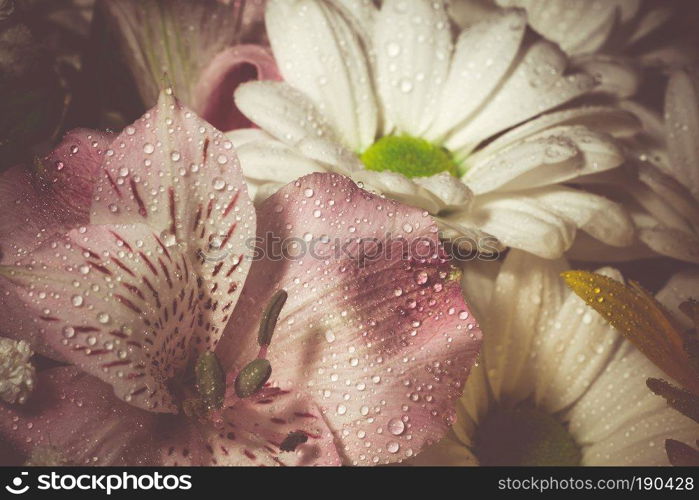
<point x="605" y="220"/>
<point x="536" y="85"/>
<point x="521" y="222"/>
<point x="673" y="195"/>
<point x="614" y="75"/>
<point x="642" y="443"/>
<point x="490" y="172"/>
<point x="449" y="191"/>
<point x="398" y="187"/>
<point x="572" y="352"/>
<point x="283" y="111"/>
<point x="681" y="287"/>
<point x="682" y="128"/>
<point x="482" y="55"/>
<point x="620" y="421"/>
<point x="602" y="119"/>
<point x="413" y="48"/>
<point x="671" y="242"/>
<point x="318" y="53"/>
<point x="17" y="374"/>
<point x="578" y="26"/>
<point x="528" y="293"/>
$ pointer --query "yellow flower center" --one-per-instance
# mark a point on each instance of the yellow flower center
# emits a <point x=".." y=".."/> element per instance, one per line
<point x="524" y="436"/>
<point x="409" y="156"/>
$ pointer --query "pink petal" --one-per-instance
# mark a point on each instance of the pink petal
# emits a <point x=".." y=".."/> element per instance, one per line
<point x="53" y="195"/>
<point x="252" y="433"/>
<point x="236" y="65"/>
<point x="77" y="415"/>
<point x="135" y="299"/>
<point x="383" y="348"/>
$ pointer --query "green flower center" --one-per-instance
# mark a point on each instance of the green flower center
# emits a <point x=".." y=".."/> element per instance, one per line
<point x="409" y="156"/>
<point x="524" y="436"/>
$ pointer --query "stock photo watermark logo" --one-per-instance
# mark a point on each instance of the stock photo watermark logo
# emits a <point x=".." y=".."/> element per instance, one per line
<point x="103" y="483"/>
<point x="359" y="250"/>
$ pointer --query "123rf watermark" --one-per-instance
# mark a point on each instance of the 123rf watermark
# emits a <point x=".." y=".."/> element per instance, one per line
<point x="99" y="483"/>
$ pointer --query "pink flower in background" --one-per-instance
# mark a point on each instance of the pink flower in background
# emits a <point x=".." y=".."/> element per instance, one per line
<point x="367" y="358"/>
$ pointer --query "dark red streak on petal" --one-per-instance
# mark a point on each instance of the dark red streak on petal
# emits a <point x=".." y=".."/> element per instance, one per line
<point x="141" y="206"/>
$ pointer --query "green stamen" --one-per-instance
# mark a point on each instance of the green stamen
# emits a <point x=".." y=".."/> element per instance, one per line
<point x="269" y="318"/>
<point x="409" y="156"/>
<point x="211" y="381"/>
<point x="524" y="436"/>
<point x="252" y="378"/>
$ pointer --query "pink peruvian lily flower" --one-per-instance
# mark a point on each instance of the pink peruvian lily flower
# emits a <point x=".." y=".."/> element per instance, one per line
<point x="54" y="194"/>
<point x="201" y="332"/>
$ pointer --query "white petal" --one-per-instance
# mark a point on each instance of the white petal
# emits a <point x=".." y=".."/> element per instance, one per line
<point x="614" y="75"/>
<point x="682" y="127"/>
<point x="576" y="25"/>
<point x="413" y="48"/>
<point x="672" y="242"/>
<point x="603" y="119"/>
<point x="274" y="161"/>
<point x="482" y="55"/>
<point x="681" y="287"/>
<point x="398" y="187"/>
<point x="319" y="53"/>
<point x="478" y="284"/>
<point x="528" y="293"/>
<point x="642" y="442"/>
<point x="536" y="85"/>
<point x="620" y="421"/>
<point x="603" y="219"/>
<point x="494" y="171"/>
<point x="520" y="222"/>
<point x="572" y="352"/>
<point x="283" y="111"/>
<point x="449" y="191"/>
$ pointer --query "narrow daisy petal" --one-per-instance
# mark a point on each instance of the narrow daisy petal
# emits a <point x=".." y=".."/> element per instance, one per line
<point x="527" y="290"/>
<point x="76" y="419"/>
<point x="602" y="119"/>
<point x="489" y="172"/>
<point x="622" y="423"/>
<point x="319" y="54"/>
<point x="603" y="219"/>
<point x="575" y="25"/>
<point x="448" y="190"/>
<point x="552" y="156"/>
<point x="671" y="242"/>
<point x="537" y="84"/>
<point x="614" y="75"/>
<point x="482" y="55"/>
<point x="213" y="95"/>
<point x="413" y="50"/>
<point x="382" y="341"/>
<point x="56" y="195"/>
<point x="572" y="352"/>
<point x="291" y="117"/>
<point x="522" y="222"/>
<point x="682" y="129"/>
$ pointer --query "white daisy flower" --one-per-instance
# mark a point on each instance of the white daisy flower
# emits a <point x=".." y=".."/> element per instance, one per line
<point x="468" y="128"/>
<point x="557" y="385"/>
<point x="661" y="184"/>
<point x="611" y="39"/>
